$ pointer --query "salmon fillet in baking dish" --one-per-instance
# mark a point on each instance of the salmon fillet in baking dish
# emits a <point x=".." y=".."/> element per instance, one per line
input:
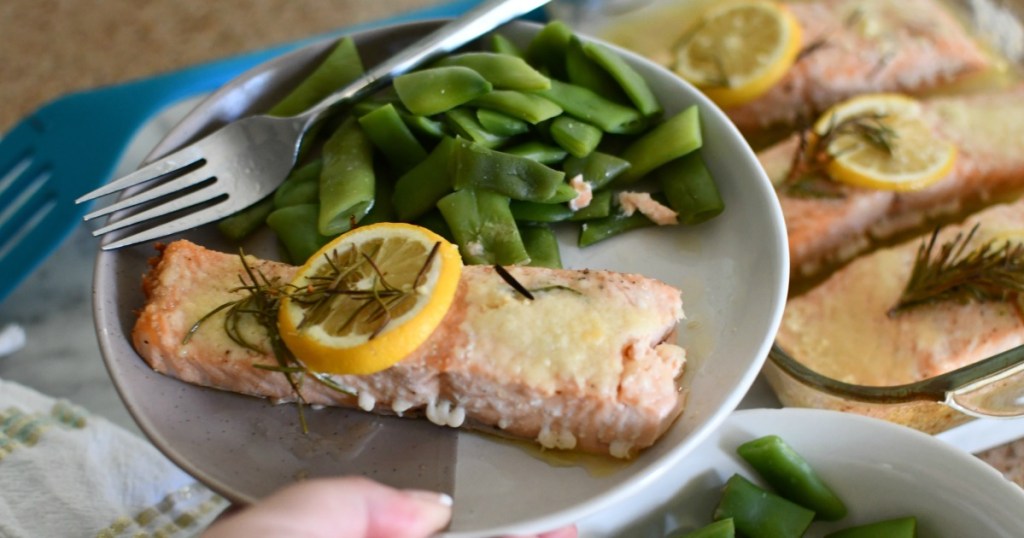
<point x="987" y="130"/>
<point x="589" y="363"/>
<point x="852" y="47"/>
<point x="845" y="328"/>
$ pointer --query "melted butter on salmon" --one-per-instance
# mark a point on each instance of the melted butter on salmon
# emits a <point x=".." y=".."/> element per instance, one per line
<point x="587" y="364"/>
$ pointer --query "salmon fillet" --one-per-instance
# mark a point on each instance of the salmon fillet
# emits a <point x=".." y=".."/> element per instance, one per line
<point x="842" y="328"/>
<point x="586" y="365"/>
<point x="986" y="129"/>
<point x="852" y="47"/>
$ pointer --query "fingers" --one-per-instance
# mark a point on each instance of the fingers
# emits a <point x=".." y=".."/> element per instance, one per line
<point x="339" y="507"/>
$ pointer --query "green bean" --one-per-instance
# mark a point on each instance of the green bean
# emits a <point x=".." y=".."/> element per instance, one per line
<point x="759" y="513"/>
<point x="478" y="167"/>
<point x="423" y="125"/>
<point x="541" y="245"/>
<point x="341" y="66"/>
<point x="597" y="168"/>
<point x="631" y="82"/>
<point x="593" y="231"/>
<point x="723" y="528"/>
<point x="346" y="180"/>
<point x="563" y="193"/>
<point x="463" y="122"/>
<point x="547" y="48"/>
<point x="239" y="225"/>
<point x="483" y="227"/>
<point x="590" y="107"/>
<point x="419" y="189"/>
<point x="577" y="137"/>
<point x="538" y="151"/>
<point x="791" y="476"/>
<point x="503" y="71"/>
<point x="392" y="137"/>
<point x="539" y="211"/>
<point x="690" y="189"/>
<point x="903" y="527"/>
<point x="501" y="124"/>
<point x="525" y="106"/>
<point x="582" y="71"/>
<point x="502" y="45"/>
<point x="302" y="186"/>
<point x="437" y="89"/>
<point x="296" y="227"/>
<point x="669" y="140"/>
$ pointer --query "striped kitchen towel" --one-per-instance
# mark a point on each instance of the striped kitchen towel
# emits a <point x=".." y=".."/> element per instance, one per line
<point x="67" y="473"/>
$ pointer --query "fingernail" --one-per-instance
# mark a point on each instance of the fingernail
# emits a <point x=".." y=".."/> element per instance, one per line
<point x="435" y="497"/>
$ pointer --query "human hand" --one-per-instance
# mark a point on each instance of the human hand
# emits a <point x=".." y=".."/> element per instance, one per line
<point x="349" y="507"/>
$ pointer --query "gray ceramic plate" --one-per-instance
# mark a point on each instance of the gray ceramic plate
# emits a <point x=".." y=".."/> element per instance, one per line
<point x="733" y="272"/>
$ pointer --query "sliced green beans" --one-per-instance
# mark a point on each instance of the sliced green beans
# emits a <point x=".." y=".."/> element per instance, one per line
<point x="501" y="70"/>
<point x="690" y="190"/>
<point x="759" y="513"/>
<point x="790" y="474"/>
<point x="435" y="90"/>
<point x="296" y="227"/>
<point x="513" y="136"/>
<point x="903" y="527"/>
<point x="340" y="67"/>
<point x="723" y="528"/>
<point x="483" y="227"/>
<point x="477" y="167"/>
<point x="346" y="180"/>
<point x="392" y="137"/>
<point x="677" y="136"/>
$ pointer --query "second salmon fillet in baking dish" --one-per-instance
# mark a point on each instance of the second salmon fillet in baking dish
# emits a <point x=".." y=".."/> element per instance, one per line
<point x="987" y="130"/>
<point x="852" y="47"/>
<point x="588" y="364"/>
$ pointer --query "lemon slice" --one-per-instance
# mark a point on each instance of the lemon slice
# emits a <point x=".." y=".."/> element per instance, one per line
<point x="369" y="298"/>
<point x="740" y="50"/>
<point x="880" y="141"/>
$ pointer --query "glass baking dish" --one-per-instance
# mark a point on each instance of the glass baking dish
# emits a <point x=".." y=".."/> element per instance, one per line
<point x="993" y="387"/>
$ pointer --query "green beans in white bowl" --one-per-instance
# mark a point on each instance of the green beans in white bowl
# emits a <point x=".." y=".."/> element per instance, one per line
<point x="732" y="270"/>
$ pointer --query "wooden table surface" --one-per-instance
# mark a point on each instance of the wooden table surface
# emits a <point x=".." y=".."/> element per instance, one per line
<point x="50" y="47"/>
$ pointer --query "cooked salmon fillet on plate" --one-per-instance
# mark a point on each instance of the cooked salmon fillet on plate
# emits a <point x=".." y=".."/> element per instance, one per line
<point x="824" y="231"/>
<point x="590" y="363"/>
<point x="852" y="47"/>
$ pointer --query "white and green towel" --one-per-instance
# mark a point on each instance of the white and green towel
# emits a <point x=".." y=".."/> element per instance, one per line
<point x="67" y="473"/>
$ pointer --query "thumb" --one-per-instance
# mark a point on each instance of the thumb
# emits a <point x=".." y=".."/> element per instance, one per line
<point x="339" y="507"/>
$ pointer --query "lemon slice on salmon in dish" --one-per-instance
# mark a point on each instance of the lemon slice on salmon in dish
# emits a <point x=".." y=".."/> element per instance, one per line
<point x="369" y="298"/>
<point x="880" y="141"/>
<point x="739" y="51"/>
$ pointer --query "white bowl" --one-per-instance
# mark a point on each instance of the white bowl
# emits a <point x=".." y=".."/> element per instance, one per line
<point x="733" y="272"/>
<point x="879" y="469"/>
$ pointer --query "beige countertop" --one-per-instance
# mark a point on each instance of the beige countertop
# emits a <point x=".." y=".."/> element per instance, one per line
<point x="49" y="47"/>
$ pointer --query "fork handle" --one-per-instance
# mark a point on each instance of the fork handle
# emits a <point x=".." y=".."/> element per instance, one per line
<point x="471" y="25"/>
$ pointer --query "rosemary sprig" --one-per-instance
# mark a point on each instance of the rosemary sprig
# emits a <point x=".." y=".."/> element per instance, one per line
<point x="989" y="272"/>
<point x="511" y="281"/>
<point x="808" y="176"/>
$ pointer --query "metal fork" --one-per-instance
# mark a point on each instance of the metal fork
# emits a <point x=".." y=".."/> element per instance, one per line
<point x="246" y="160"/>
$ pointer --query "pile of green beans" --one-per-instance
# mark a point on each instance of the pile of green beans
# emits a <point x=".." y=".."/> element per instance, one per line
<point x="482" y="146"/>
<point x="799" y="496"/>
